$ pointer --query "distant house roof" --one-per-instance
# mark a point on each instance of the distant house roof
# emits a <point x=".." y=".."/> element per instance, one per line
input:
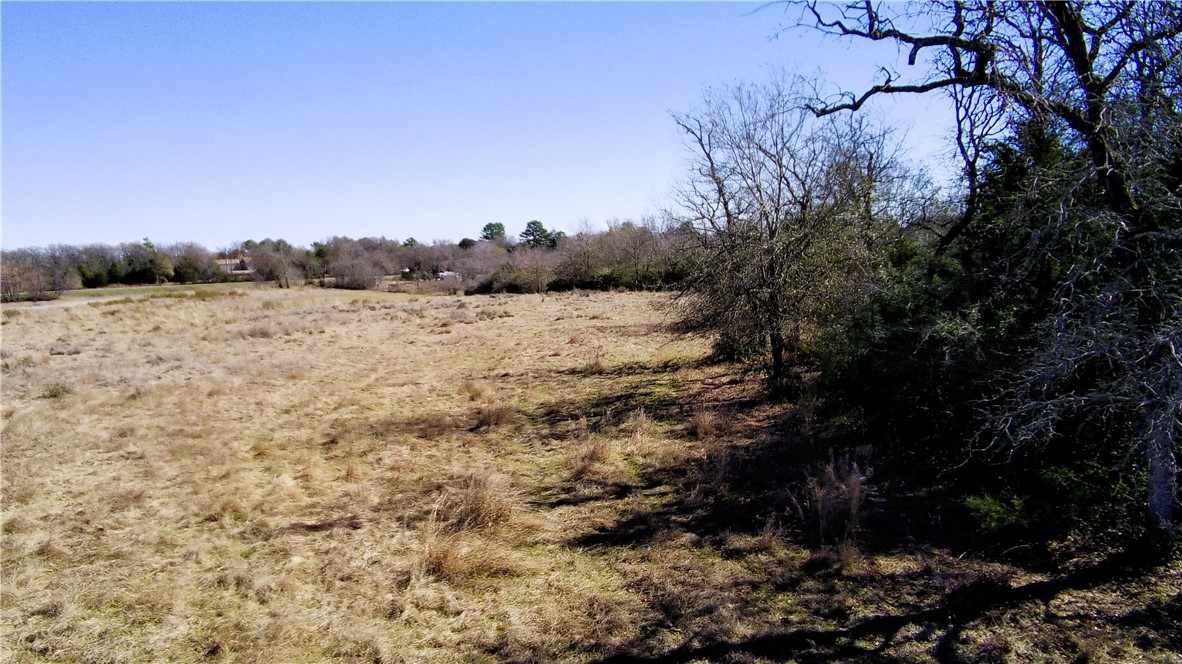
<point x="235" y="265"/>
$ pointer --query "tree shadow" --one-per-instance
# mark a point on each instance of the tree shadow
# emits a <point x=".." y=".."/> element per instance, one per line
<point x="746" y="481"/>
<point x="955" y="610"/>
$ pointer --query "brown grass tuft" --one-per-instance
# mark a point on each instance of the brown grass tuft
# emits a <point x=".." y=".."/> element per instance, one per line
<point x="258" y="332"/>
<point x="492" y="416"/>
<point x="595" y="367"/>
<point x="586" y="453"/>
<point x="458" y="557"/>
<point x="476" y="390"/>
<point x="435" y="425"/>
<point x="63" y="346"/>
<point x="481" y="501"/>
<point x="704" y="424"/>
<point x="57" y="390"/>
<point x="849" y="557"/>
<point x="225" y="510"/>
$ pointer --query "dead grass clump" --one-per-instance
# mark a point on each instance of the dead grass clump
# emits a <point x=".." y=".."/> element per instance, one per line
<point x="57" y="390"/>
<point x="19" y="486"/>
<point x="63" y="346"/>
<point x="578" y="613"/>
<point x="640" y="425"/>
<point x="704" y="424"/>
<point x="832" y="499"/>
<point x="595" y="367"/>
<point x="476" y="390"/>
<point x="258" y="332"/>
<point x="204" y="295"/>
<point x="259" y="448"/>
<point x="849" y="557"/>
<point x="997" y="648"/>
<point x="588" y="452"/>
<point x="435" y="425"/>
<point x="491" y="314"/>
<point x="462" y="317"/>
<point x="577" y="338"/>
<point x="108" y="303"/>
<point x="492" y="416"/>
<point x="820" y="560"/>
<point x="458" y="557"/>
<point x="722" y="469"/>
<point x="224" y="510"/>
<point x="22" y="362"/>
<point x="482" y="501"/>
<point x="14" y="524"/>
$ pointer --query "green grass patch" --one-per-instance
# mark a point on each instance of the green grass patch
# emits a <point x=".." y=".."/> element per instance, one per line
<point x="163" y="290"/>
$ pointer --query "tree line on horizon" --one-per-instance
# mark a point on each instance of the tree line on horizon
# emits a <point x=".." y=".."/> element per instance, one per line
<point x="626" y="254"/>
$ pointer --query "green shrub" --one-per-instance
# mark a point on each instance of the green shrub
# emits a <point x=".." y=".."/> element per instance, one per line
<point x="995" y="516"/>
<point x="728" y="347"/>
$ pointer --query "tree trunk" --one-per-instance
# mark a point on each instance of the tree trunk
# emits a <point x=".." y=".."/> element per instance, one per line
<point x="1163" y="467"/>
<point x="777" y="379"/>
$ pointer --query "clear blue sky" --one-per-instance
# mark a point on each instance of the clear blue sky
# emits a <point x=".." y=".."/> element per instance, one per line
<point x="220" y="122"/>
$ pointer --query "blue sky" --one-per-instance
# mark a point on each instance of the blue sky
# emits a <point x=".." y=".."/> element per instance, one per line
<point x="220" y="122"/>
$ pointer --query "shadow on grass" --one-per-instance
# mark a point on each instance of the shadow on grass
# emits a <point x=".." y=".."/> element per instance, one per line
<point x="628" y="369"/>
<point x="956" y="610"/>
<point x="715" y="503"/>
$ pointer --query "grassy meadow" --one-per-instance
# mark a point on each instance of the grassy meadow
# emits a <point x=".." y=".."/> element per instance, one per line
<point x="249" y="474"/>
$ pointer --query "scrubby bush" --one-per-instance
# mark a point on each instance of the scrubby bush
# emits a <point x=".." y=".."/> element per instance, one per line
<point x="355" y="270"/>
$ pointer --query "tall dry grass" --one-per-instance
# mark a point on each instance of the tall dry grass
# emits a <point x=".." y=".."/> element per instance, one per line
<point x="284" y="476"/>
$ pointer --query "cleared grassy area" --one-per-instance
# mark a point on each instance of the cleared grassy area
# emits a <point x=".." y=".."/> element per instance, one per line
<point x="133" y="291"/>
<point x="314" y="475"/>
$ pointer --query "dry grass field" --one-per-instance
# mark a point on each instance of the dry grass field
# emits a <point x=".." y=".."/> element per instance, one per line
<point x="261" y="475"/>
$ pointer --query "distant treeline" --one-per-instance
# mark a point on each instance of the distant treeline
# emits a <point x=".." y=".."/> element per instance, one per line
<point x="627" y="255"/>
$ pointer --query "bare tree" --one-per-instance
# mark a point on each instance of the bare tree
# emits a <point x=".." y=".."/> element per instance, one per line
<point x="1069" y="60"/>
<point x="356" y="268"/>
<point x="533" y="268"/>
<point x="274" y="260"/>
<point x="787" y="208"/>
<point x="1108" y="73"/>
<point x="480" y="261"/>
<point x="27" y="274"/>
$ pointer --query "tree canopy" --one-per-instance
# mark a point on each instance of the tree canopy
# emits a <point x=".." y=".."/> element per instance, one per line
<point x="1071" y="135"/>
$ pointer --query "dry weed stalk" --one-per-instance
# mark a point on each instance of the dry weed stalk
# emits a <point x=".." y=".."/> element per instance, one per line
<point x="639" y="422"/>
<point x="832" y="500"/>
